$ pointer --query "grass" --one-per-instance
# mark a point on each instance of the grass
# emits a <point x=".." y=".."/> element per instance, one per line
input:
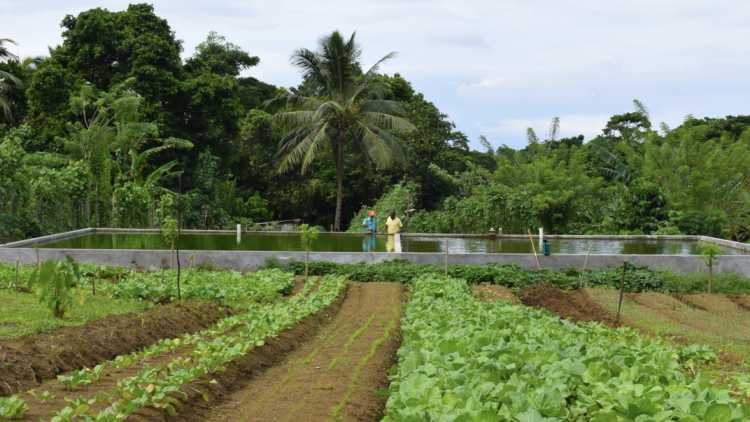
<point x="723" y="331"/>
<point x="694" y="283"/>
<point x="21" y="313"/>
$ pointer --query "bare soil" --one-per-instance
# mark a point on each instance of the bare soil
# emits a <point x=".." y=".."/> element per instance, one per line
<point x="30" y="360"/>
<point x="741" y="301"/>
<point x="273" y="351"/>
<point x="331" y="376"/>
<point x="717" y="304"/>
<point x="576" y="306"/>
<point x="492" y="293"/>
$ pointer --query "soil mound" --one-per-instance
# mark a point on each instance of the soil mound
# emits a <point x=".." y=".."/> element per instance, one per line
<point x="741" y="301"/>
<point x="29" y="360"/>
<point x="711" y="303"/>
<point x="492" y="293"/>
<point x="577" y="306"/>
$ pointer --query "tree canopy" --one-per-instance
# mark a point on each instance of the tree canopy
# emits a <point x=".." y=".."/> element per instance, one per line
<point x="96" y="133"/>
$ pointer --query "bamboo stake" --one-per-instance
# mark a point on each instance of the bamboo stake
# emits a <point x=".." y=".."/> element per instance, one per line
<point x="16" y="274"/>
<point x="36" y="247"/>
<point x="307" y="261"/>
<point x="534" y="248"/>
<point x="162" y="271"/>
<point x="583" y="274"/>
<point x="99" y="277"/>
<point x="622" y="289"/>
<point x="194" y="262"/>
<point x="446" y="257"/>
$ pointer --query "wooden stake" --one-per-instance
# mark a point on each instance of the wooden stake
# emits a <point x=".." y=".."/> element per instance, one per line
<point x="307" y="260"/>
<point x="36" y="247"/>
<point x="622" y="289"/>
<point x="98" y="277"/>
<point x="446" y="257"/>
<point x="194" y="263"/>
<point x="534" y="248"/>
<point x="710" y="276"/>
<point x="162" y="272"/>
<point x="583" y="274"/>
<point x="16" y="274"/>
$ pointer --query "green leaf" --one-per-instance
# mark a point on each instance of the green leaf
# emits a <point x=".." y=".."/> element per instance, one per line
<point x="382" y="392"/>
<point x="718" y="413"/>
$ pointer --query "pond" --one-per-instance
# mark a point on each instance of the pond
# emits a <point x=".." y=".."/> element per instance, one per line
<point x="332" y="242"/>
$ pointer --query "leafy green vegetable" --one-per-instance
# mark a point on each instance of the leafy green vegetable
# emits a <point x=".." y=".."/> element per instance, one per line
<point x="463" y="360"/>
<point x="638" y="279"/>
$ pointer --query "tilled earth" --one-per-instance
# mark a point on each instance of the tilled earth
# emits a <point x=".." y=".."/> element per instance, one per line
<point x="577" y="306"/>
<point x="331" y="376"/>
<point x="30" y="360"/>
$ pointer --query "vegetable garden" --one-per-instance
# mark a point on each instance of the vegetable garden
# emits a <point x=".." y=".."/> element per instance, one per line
<point x="350" y="343"/>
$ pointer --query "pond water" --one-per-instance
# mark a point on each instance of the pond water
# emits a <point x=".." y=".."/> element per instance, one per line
<point x="330" y="242"/>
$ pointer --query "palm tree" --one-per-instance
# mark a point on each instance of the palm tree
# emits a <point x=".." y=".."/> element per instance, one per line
<point x="6" y="80"/>
<point x="345" y="108"/>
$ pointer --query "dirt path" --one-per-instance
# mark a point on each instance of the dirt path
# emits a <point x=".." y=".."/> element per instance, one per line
<point x="332" y="375"/>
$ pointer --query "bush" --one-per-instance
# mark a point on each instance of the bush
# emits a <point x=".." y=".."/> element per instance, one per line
<point x="637" y="279"/>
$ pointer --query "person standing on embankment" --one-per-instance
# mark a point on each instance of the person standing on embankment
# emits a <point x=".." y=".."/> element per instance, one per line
<point x="394" y="227"/>
<point x="370" y="226"/>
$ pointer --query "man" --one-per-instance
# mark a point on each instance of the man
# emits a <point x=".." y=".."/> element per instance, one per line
<point x="393" y="224"/>
<point x="370" y="224"/>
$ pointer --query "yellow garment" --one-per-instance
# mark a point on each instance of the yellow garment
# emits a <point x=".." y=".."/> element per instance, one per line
<point x="393" y="243"/>
<point x="393" y="225"/>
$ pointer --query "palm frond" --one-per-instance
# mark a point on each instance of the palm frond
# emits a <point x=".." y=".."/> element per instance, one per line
<point x="383" y="106"/>
<point x="383" y="147"/>
<point x="293" y="118"/>
<point x="388" y="121"/>
<point x="290" y="101"/>
<point x="294" y="146"/>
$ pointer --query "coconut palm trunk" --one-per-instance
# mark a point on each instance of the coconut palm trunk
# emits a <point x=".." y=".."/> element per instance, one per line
<point x="339" y="182"/>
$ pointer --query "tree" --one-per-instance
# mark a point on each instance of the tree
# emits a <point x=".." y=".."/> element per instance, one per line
<point x="709" y="254"/>
<point x="345" y="109"/>
<point x="7" y="81"/>
<point x="307" y="236"/>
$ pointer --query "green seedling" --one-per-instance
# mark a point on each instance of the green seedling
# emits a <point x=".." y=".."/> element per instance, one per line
<point x="12" y="408"/>
<point x="122" y="362"/>
<point x="75" y="379"/>
<point x="41" y="397"/>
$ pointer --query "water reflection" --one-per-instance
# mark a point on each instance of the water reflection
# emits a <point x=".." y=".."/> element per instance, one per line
<point x="328" y="242"/>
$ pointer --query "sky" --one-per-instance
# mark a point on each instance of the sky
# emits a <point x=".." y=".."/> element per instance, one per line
<point x="495" y="67"/>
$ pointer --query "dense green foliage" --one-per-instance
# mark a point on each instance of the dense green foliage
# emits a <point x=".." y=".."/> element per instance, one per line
<point x="637" y="279"/>
<point x="464" y="360"/>
<point x="263" y="286"/>
<point x="97" y="133"/>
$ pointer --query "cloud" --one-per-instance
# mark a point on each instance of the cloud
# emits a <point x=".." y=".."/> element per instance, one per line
<point x="507" y="64"/>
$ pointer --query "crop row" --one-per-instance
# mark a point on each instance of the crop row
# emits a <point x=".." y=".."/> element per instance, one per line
<point x="162" y="387"/>
<point x="464" y="360"/>
<point x="511" y="275"/>
<point x="263" y="286"/>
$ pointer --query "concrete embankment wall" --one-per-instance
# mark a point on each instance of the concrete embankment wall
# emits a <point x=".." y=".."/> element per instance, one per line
<point x="253" y="260"/>
<point x="249" y="261"/>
